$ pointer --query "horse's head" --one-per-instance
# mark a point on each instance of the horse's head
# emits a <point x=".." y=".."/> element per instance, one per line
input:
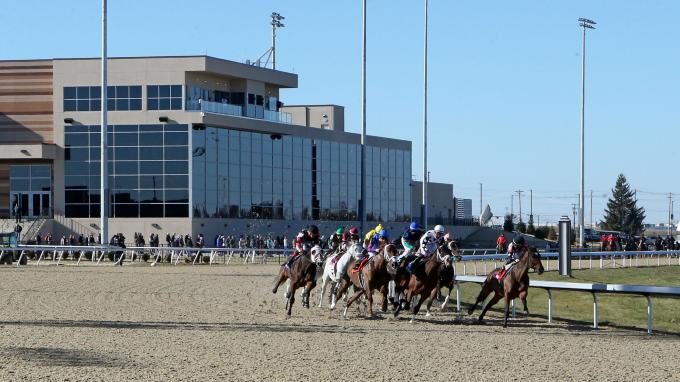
<point x="454" y="249"/>
<point x="316" y="254"/>
<point x="390" y="251"/>
<point x="534" y="260"/>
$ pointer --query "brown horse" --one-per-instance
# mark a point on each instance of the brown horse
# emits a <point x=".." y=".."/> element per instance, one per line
<point x="514" y="284"/>
<point x="447" y="277"/>
<point x="301" y="274"/>
<point x="373" y="275"/>
<point x="424" y="280"/>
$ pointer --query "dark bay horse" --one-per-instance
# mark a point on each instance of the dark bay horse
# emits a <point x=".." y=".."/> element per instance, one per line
<point x="447" y="276"/>
<point x="372" y="276"/>
<point x="514" y="284"/>
<point x="424" y="280"/>
<point x="302" y="274"/>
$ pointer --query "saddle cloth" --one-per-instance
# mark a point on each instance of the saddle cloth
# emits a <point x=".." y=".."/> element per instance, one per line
<point x="361" y="265"/>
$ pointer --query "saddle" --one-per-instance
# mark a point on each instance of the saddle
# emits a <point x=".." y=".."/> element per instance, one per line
<point x="361" y="265"/>
<point x="500" y="274"/>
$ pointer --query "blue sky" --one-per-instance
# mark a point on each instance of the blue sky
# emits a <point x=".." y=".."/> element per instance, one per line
<point x="504" y="89"/>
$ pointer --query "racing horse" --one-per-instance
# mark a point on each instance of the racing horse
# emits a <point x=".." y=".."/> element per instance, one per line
<point x="334" y="272"/>
<point x="373" y="275"/>
<point x="514" y="284"/>
<point x="446" y="276"/>
<point x="302" y="274"/>
<point x="424" y="281"/>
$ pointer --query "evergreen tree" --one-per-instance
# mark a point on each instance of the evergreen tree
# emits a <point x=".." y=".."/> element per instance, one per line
<point x="507" y="224"/>
<point x="622" y="213"/>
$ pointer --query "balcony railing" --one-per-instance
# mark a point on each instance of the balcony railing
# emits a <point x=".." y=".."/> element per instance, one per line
<point x="237" y="111"/>
<point x="215" y="107"/>
<point x="278" y="116"/>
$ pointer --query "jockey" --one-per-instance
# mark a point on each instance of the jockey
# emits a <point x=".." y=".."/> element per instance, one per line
<point x="516" y="250"/>
<point x="371" y="233"/>
<point x="303" y="242"/>
<point x="410" y="240"/>
<point x="429" y="243"/>
<point x="375" y="245"/>
<point x="351" y="236"/>
<point x="335" y="240"/>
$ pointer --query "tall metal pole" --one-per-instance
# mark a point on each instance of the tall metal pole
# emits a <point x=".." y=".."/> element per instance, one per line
<point x="591" y="209"/>
<point x="362" y="206"/>
<point x="585" y="24"/>
<point x="273" y="45"/>
<point x="425" y="177"/>
<point x="670" y="208"/>
<point x="519" y="197"/>
<point x="103" y="191"/>
<point x="481" y="212"/>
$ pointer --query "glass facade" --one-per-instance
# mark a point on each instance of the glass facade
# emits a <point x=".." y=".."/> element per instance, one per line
<point x="31" y="189"/>
<point x="242" y="174"/>
<point x="148" y="170"/>
<point x="164" y="97"/>
<point x="88" y="98"/>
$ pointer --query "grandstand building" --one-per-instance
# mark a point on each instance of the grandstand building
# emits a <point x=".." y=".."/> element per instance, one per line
<point x="197" y="144"/>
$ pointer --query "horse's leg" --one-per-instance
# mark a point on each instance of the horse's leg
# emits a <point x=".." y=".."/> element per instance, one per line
<point x="324" y="279"/>
<point x="446" y="300"/>
<point x="279" y="280"/>
<point x="383" y="298"/>
<point x="483" y="294"/>
<point x="488" y="305"/>
<point x="507" y="310"/>
<point x="523" y="297"/>
<point x="433" y="296"/>
<point x="369" y="297"/>
<point x="354" y="297"/>
<point x="290" y="293"/>
<point x="416" y="307"/>
<point x="308" y="290"/>
<point x="342" y="288"/>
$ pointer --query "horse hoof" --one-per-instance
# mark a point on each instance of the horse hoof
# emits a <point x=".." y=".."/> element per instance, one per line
<point x="470" y="312"/>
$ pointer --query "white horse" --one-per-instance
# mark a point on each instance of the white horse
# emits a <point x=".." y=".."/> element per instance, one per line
<point x="335" y="273"/>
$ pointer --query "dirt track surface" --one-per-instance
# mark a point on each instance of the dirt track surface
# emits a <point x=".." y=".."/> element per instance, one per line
<point x="221" y="323"/>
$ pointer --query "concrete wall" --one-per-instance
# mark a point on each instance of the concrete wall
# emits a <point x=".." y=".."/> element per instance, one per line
<point x="327" y="117"/>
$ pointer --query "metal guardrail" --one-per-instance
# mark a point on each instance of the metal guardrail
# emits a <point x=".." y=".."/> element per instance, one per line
<point x="593" y="288"/>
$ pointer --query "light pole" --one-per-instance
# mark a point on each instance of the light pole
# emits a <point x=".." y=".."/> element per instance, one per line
<point x="276" y="23"/>
<point x="585" y="24"/>
<point x="104" y="187"/>
<point x="362" y="206"/>
<point x="425" y="177"/>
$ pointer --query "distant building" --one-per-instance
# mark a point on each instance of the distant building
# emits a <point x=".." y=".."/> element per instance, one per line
<point x="463" y="208"/>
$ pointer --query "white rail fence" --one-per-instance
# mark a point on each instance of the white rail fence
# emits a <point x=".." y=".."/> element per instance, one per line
<point x="594" y="289"/>
<point x="474" y="262"/>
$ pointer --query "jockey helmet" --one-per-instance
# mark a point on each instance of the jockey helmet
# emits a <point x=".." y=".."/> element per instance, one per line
<point x="414" y="226"/>
<point x="339" y="231"/>
<point x="439" y="229"/>
<point x="519" y="240"/>
<point x="384" y="234"/>
<point x="353" y="230"/>
<point x="313" y="230"/>
<point x="378" y="228"/>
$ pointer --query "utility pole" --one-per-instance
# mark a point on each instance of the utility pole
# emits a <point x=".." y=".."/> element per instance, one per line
<point x="585" y="24"/>
<point x="104" y="169"/>
<point x="531" y="206"/>
<point x="512" y="207"/>
<point x="480" y="204"/>
<point x="362" y="205"/>
<point x="425" y="179"/>
<point x="519" y="197"/>
<point x="591" y="209"/>
<point x="573" y="211"/>
<point x="670" y="212"/>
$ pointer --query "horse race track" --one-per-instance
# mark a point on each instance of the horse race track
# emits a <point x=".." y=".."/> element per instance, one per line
<point x="221" y="323"/>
